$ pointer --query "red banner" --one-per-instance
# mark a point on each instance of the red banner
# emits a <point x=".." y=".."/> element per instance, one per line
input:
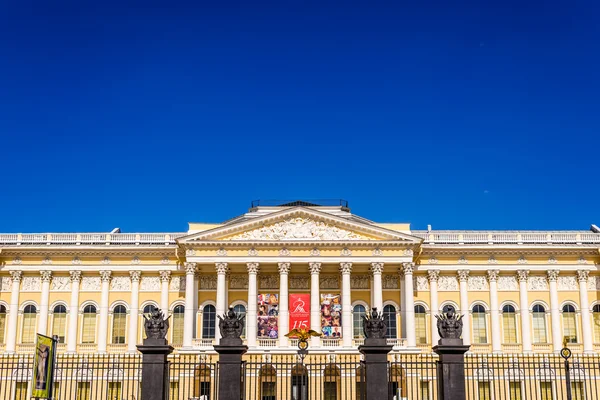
<point x="299" y="311"/>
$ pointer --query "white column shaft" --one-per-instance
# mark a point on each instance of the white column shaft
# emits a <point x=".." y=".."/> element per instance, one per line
<point x="315" y="305"/>
<point x="134" y="315"/>
<point x="586" y="326"/>
<point x="284" y="313"/>
<point x="73" y="315"/>
<point x="221" y="306"/>
<point x="555" y="316"/>
<point x="525" y="316"/>
<point x="495" y="317"/>
<point x="43" y="322"/>
<point x="164" y="297"/>
<point x="435" y="308"/>
<point x="346" y="310"/>
<point x="464" y="310"/>
<point x="188" y="316"/>
<point x="402" y="307"/>
<point x="409" y="301"/>
<point x="251" y="313"/>
<point x="377" y="291"/>
<point x="103" y="324"/>
<point x="11" y="333"/>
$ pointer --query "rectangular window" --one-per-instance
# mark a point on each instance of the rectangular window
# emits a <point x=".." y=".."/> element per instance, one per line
<point x="83" y="391"/>
<point x="89" y="328"/>
<point x="510" y="327"/>
<point x="21" y="391"/>
<point x="178" y="328"/>
<point x="114" y="391"/>
<point x="118" y="333"/>
<point x="539" y="328"/>
<point x="268" y="391"/>
<point x="28" y="328"/>
<point x="59" y="325"/>
<point x="483" y="388"/>
<point x="479" y="329"/>
<point x="2" y="326"/>
<point x="570" y="327"/>
<point x="546" y="391"/>
<point x="424" y="390"/>
<point x="174" y="390"/>
<point x="577" y="391"/>
<point x="515" y="390"/>
<point x="421" y="328"/>
<point x="329" y="390"/>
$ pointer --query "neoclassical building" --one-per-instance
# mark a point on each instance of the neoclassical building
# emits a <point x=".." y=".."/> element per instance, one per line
<point x="294" y="264"/>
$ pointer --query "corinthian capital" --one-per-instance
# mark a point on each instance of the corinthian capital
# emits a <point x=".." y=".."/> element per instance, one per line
<point x="346" y="268"/>
<point x="75" y="276"/>
<point x="463" y="275"/>
<point x="314" y="267"/>
<point x="253" y="267"/>
<point x="522" y="275"/>
<point x="408" y="268"/>
<point x="135" y="276"/>
<point x="492" y="275"/>
<point x="16" y="276"/>
<point x="583" y="275"/>
<point x="165" y="276"/>
<point x="221" y="268"/>
<point x="433" y="275"/>
<point x="377" y="267"/>
<point x="46" y="276"/>
<point x="552" y="275"/>
<point x="105" y="276"/>
<point x="190" y="268"/>
<point x="284" y="267"/>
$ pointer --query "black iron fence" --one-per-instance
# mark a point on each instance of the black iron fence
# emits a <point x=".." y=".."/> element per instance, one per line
<point x="413" y="376"/>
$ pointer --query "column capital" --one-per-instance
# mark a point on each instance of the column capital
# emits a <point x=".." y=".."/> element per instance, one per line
<point x="190" y="268"/>
<point x="253" y="267"/>
<point x="463" y="275"/>
<point x="135" y="276"/>
<point x="522" y="275"/>
<point x="433" y="275"/>
<point x="75" y="276"/>
<point x="165" y="276"/>
<point x="46" y="276"/>
<point x="105" y="276"/>
<point x="552" y="274"/>
<point x="16" y="276"/>
<point x="314" y="267"/>
<point x="284" y="267"/>
<point x="583" y="275"/>
<point x="408" y="268"/>
<point x="377" y="268"/>
<point x="221" y="268"/>
<point x="346" y="268"/>
<point x="492" y="275"/>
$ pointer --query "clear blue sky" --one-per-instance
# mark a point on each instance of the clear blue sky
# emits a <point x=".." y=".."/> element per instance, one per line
<point x="463" y="115"/>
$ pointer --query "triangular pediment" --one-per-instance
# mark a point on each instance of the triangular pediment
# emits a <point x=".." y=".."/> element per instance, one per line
<point x="299" y="224"/>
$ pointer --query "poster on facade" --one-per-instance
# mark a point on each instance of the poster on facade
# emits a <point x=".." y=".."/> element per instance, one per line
<point x="299" y="311"/>
<point x="43" y="367"/>
<point x="268" y="316"/>
<point x="331" y="315"/>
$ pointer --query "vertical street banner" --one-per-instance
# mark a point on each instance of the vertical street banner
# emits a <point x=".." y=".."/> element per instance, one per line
<point x="331" y="315"/>
<point x="268" y="316"/>
<point x="299" y="311"/>
<point x="43" y="367"/>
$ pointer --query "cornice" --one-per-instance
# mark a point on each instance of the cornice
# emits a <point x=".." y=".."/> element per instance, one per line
<point x="304" y="243"/>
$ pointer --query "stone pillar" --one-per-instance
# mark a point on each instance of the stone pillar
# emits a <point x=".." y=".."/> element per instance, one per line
<point x="346" y="269"/>
<point x="586" y="326"/>
<point x="155" y="369"/>
<point x="222" y="269"/>
<point x="188" y="316"/>
<point x="165" y="277"/>
<point x="451" y="369"/>
<point x="230" y="350"/>
<point x="73" y="312"/>
<point x="434" y="275"/>
<point x="251" y="312"/>
<point x="315" y="302"/>
<point x="284" y="312"/>
<point x="377" y="270"/>
<point x="409" y="301"/>
<point x="132" y="338"/>
<point x="103" y="324"/>
<point x="492" y="276"/>
<point x="45" y="299"/>
<point x="375" y="352"/>
<point x="522" y="276"/>
<point x="11" y="332"/>
<point x="555" y="310"/>
<point x="463" y="276"/>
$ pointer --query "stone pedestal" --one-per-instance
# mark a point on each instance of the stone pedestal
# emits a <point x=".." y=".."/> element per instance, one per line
<point x="230" y="352"/>
<point x="155" y="374"/>
<point x="376" y="368"/>
<point x="451" y="369"/>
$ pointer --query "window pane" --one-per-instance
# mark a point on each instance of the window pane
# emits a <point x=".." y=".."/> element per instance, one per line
<point x="2" y="324"/>
<point x="118" y="333"/>
<point x="569" y="327"/>
<point x="515" y="390"/>
<point x="546" y="391"/>
<point x="89" y="328"/>
<point x="421" y="328"/>
<point x="28" y="327"/>
<point x="59" y="325"/>
<point x="83" y="391"/>
<point x="479" y="329"/>
<point x="241" y="312"/>
<point x="539" y="327"/>
<point x="178" y="319"/>
<point x="389" y="313"/>
<point x="424" y="390"/>
<point x="114" y="391"/>
<point x="510" y="327"/>
<point x="330" y="390"/>
<point x="357" y="321"/>
<point x="484" y="390"/>
<point x="208" y="322"/>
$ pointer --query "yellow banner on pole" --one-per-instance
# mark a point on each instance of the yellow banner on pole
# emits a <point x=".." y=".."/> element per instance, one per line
<point x="43" y="367"/>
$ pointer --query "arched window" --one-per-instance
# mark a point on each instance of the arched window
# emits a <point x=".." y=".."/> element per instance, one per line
<point x="331" y="380"/>
<point x="88" y="326"/>
<point x="389" y="314"/>
<point x="569" y="323"/>
<point x="509" y="322"/>
<point x="421" y="324"/>
<point x="59" y="322"/>
<point x="208" y="321"/>
<point x="2" y="322"/>
<point x="119" y="322"/>
<point x="479" y="325"/>
<point x="240" y="310"/>
<point x="178" y="323"/>
<point x="29" y="314"/>
<point x="148" y="308"/>
<point x="358" y="312"/>
<point x="539" y="324"/>
<point x="596" y="320"/>
<point x="448" y="307"/>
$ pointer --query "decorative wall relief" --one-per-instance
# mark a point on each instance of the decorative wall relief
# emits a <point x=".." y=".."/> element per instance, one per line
<point x="447" y="283"/>
<point x="238" y="281"/>
<point x="90" y="283"/>
<point x="268" y="281"/>
<point x="477" y="282"/>
<point x="329" y="282"/>
<point x="390" y="282"/>
<point x="120" y="283"/>
<point x="593" y="283"/>
<point x="537" y="283"/>
<point x="208" y="282"/>
<point x="5" y="284"/>
<point x="508" y="283"/>
<point x="150" y="283"/>
<point x="359" y="281"/>
<point x="299" y="282"/>
<point x="60" y="284"/>
<point x="567" y="283"/>
<point x="177" y="284"/>
<point x="31" y="284"/>
<point x="421" y="283"/>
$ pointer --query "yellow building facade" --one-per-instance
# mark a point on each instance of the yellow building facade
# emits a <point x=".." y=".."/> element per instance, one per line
<point x="302" y="264"/>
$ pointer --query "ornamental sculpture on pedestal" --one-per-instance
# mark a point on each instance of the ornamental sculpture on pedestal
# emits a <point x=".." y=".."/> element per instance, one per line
<point x="156" y="326"/>
<point x="449" y="324"/>
<point x="374" y="326"/>
<point x="231" y="325"/>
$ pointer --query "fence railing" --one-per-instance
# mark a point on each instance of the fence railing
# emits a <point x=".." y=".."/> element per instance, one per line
<point x="507" y="237"/>
<point x="88" y="239"/>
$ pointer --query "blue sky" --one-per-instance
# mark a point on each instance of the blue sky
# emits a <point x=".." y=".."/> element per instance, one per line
<point x="463" y="115"/>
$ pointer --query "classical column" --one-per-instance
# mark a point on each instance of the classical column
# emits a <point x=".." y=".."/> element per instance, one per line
<point x="377" y="270"/>
<point x="522" y="276"/>
<point x="586" y="326"/>
<point x="555" y="310"/>
<point x="346" y="269"/>
<point x="492" y="276"/>
<point x="402" y="310"/>
<point x="135" y="311"/>
<point x="463" y="276"/>
<point x="75" y="277"/>
<point x="11" y="337"/>
<point x="409" y="301"/>
<point x="434" y="275"/>
<point x="284" y="312"/>
<point x="43" y="322"/>
<point x="315" y="302"/>
<point x="252" y="304"/>
<point x="188" y="316"/>
<point x="103" y="324"/>
<point x="222" y="269"/>
<point x="165" y="277"/>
